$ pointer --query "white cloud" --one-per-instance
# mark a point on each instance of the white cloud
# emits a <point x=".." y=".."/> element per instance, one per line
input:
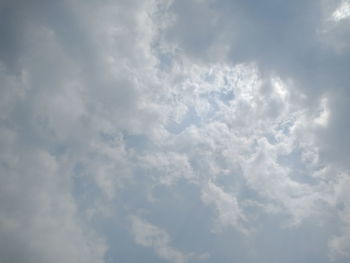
<point x="227" y="206"/>
<point x="167" y="167"/>
<point x="39" y="220"/>
<point x="149" y="235"/>
<point x="246" y="103"/>
<point x="342" y="12"/>
<point x="324" y="114"/>
<point x="251" y="138"/>
<point x="339" y="244"/>
<point x="64" y="107"/>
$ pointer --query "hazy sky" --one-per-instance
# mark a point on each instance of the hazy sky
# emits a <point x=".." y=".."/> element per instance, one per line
<point x="176" y="131"/>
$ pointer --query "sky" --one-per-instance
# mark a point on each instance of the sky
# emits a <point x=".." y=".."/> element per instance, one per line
<point x="179" y="131"/>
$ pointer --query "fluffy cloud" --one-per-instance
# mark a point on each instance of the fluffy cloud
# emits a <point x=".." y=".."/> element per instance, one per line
<point x="64" y="105"/>
<point x="124" y="107"/>
<point x="39" y="220"/>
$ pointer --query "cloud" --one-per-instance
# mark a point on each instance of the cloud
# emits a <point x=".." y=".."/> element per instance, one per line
<point x="39" y="220"/>
<point x="342" y="12"/>
<point x="109" y="108"/>
<point x="149" y="235"/>
<point x="339" y="244"/>
<point x="294" y="43"/>
<point x="229" y="211"/>
<point x="61" y="98"/>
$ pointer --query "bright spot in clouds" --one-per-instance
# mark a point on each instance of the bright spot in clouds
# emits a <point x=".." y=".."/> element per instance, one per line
<point x="342" y="12"/>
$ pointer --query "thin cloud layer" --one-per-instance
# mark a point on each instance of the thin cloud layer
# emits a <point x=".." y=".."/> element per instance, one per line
<point x="174" y="131"/>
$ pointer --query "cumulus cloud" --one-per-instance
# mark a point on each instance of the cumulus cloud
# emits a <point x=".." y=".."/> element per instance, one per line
<point x="224" y="115"/>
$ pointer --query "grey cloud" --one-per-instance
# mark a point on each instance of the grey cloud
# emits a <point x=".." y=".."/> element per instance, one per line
<point x="58" y="95"/>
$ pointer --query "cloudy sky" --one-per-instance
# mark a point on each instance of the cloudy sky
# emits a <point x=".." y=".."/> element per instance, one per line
<point x="178" y="131"/>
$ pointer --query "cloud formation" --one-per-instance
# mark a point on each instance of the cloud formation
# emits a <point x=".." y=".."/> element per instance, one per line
<point x="180" y="131"/>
